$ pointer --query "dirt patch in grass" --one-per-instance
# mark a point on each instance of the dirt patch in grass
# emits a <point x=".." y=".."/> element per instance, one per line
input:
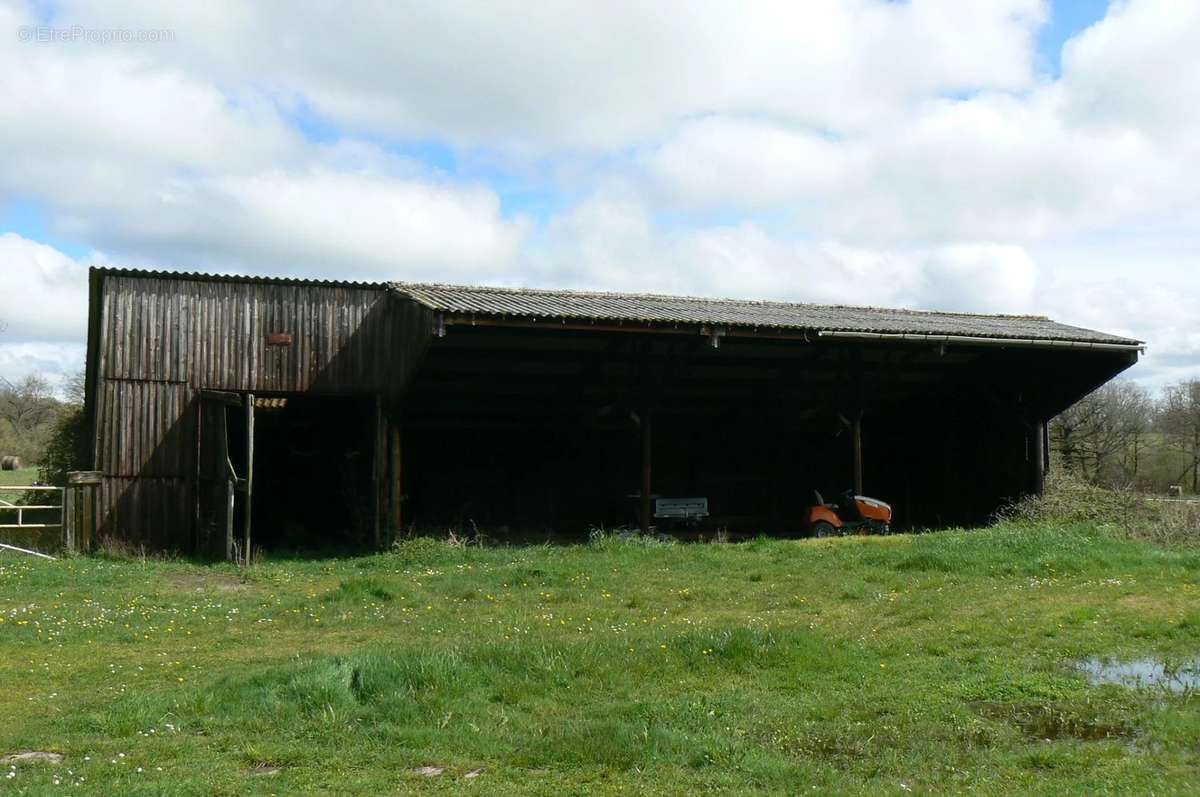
<point x="1154" y="604"/>
<point x="32" y="755"/>
<point x="207" y="582"/>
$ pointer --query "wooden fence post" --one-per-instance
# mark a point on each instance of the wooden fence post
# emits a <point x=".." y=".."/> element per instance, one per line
<point x="79" y="510"/>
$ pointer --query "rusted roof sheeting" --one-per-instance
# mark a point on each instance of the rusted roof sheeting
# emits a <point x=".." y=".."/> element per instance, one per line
<point x="655" y="309"/>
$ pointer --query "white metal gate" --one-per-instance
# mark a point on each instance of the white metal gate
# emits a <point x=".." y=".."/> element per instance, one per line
<point x="11" y="511"/>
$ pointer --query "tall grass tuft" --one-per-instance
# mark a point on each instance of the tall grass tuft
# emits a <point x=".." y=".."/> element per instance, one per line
<point x="602" y="539"/>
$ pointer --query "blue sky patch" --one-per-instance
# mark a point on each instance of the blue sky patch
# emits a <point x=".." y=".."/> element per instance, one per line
<point x="1067" y="18"/>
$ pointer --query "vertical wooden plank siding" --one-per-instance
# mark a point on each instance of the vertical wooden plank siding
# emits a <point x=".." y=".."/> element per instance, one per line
<point x="162" y="339"/>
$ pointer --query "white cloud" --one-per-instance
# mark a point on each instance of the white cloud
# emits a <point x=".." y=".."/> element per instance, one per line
<point x="1115" y="141"/>
<point x="54" y="361"/>
<point x="600" y="75"/>
<point x="1140" y="284"/>
<point x="43" y="293"/>
<point x="993" y="166"/>
<point x="94" y="124"/>
<point x="320" y="222"/>
<point x="609" y="240"/>
<point x="43" y="310"/>
<point x="721" y="161"/>
<point x="1136" y="69"/>
<point x="157" y="165"/>
<point x="980" y="277"/>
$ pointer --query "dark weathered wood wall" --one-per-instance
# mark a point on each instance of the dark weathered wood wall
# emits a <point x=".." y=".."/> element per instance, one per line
<point x="159" y="340"/>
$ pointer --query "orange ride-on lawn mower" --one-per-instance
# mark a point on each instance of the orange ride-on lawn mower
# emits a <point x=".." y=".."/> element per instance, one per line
<point x="852" y="514"/>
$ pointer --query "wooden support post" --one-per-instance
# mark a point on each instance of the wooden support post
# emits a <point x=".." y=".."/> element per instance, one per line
<point x="229" y="519"/>
<point x="856" y="437"/>
<point x="202" y="540"/>
<point x="397" y="482"/>
<point x="646" y="514"/>
<point x="1045" y="447"/>
<point x="856" y="379"/>
<point x="248" y="504"/>
<point x="1037" y="458"/>
<point x="378" y="475"/>
<point x="90" y="514"/>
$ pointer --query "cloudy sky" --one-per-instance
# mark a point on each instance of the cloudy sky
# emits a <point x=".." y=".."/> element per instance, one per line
<point x="978" y="155"/>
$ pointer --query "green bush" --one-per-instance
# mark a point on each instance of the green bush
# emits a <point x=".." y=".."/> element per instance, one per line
<point x="1069" y="500"/>
<point x="67" y="448"/>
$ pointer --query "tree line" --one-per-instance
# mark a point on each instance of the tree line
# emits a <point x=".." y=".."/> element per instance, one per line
<point x="1125" y="436"/>
<point x="41" y="428"/>
<point x="28" y="412"/>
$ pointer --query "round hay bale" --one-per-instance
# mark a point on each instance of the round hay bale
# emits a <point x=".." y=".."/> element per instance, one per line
<point x="10" y="463"/>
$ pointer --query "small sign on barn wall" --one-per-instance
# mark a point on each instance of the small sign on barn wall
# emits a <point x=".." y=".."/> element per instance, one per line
<point x="279" y="339"/>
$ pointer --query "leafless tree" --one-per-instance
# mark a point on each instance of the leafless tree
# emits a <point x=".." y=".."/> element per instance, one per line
<point x="1100" y="437"/>
<point x="1181" y="424"/>
<point x="74" y="387"/>
<point x="27" y="404"/>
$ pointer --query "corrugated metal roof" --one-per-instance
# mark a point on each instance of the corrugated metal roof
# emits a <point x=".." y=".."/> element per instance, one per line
<point x="197" y="276"/>
<point x="656" y="309"/>
<point x="568" y="305"/>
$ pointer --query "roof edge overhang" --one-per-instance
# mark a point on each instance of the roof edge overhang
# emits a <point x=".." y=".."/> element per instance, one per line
<point x="716" y="331"/>
<point x="977" y="340"/>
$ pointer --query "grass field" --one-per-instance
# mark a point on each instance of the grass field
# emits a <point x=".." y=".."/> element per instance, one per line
<point x="19" y="477"/>
<point x="940" y="663"/>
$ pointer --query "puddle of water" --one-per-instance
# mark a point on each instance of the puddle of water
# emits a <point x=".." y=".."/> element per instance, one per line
<point x="1049" y="722"/>
<point x="1182" y="677"/>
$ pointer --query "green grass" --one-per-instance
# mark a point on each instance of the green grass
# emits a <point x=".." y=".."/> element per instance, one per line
<point x="21" y="476"/>
<point x="939" y="663"/>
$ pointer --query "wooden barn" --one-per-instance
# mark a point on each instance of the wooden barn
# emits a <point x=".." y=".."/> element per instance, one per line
<point x="236" y="411"/>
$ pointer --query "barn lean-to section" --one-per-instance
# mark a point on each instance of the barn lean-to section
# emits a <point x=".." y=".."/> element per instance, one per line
<point x="335" y="413"/>
<point x="164" y="345"/>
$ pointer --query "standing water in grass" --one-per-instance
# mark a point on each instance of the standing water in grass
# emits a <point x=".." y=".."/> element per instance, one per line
<point x="1179" y="677"/>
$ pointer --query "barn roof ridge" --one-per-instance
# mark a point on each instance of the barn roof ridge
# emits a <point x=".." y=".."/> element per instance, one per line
<point x="720" y="300"/>
<point x="495" y="301"/>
